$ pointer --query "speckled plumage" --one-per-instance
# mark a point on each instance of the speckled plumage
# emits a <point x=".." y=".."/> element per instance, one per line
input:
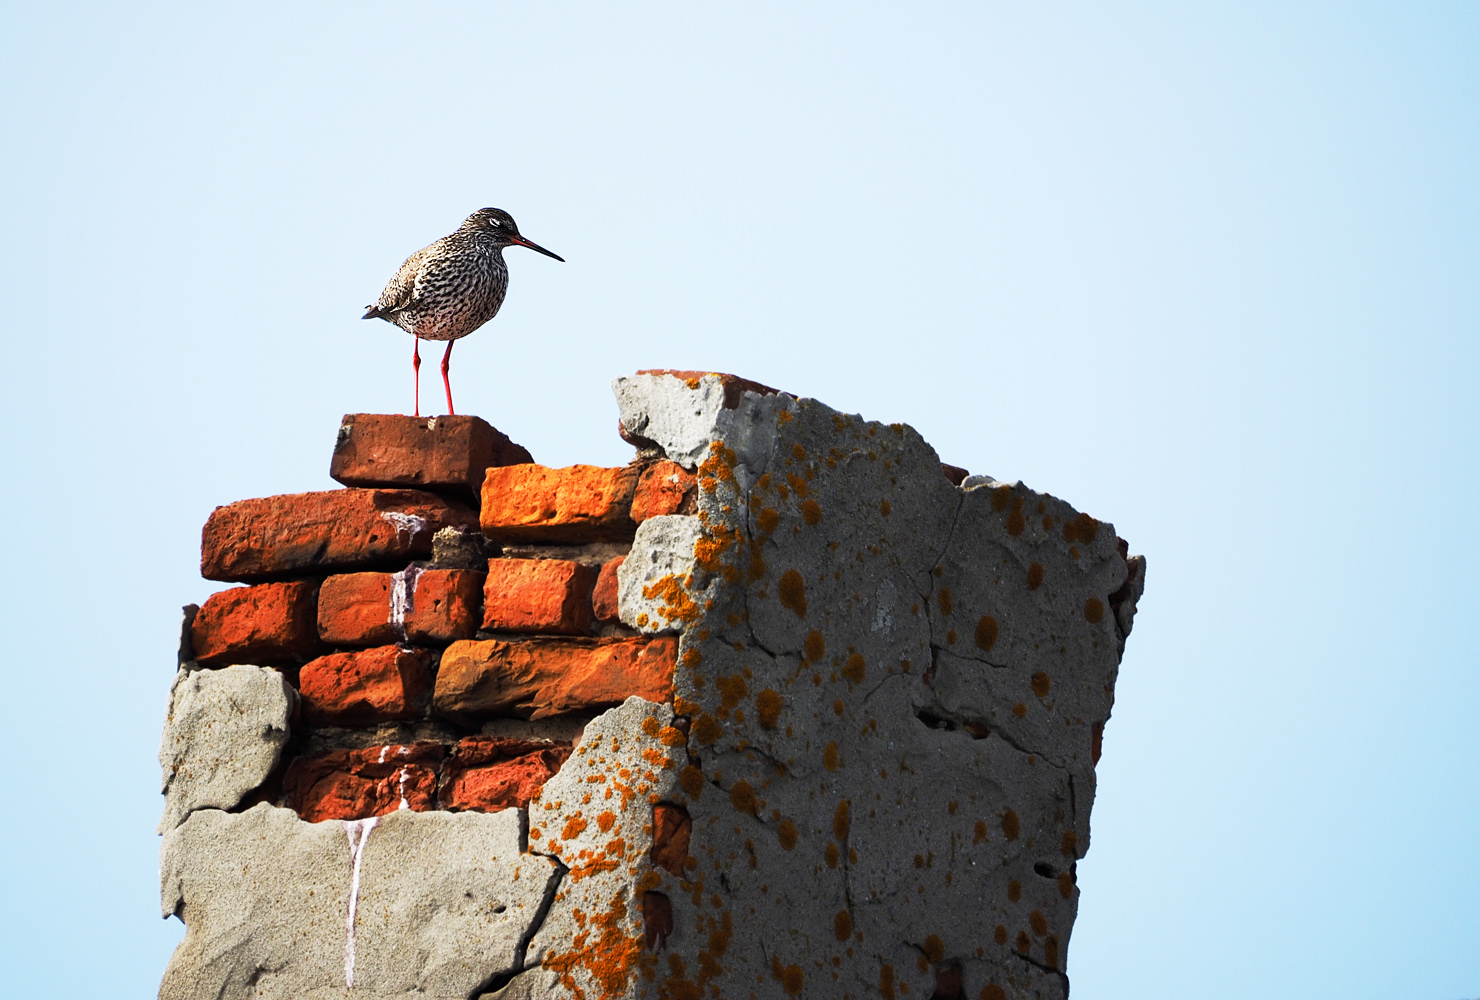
<point x="447" y="290"/>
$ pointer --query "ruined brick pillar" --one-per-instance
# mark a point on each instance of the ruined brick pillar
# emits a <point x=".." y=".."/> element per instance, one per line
<point x="783" y="708"/>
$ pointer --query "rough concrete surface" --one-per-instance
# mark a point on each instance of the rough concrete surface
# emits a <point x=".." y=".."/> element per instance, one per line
<point x="224" y="731"/>
<point x="443" y="905"/>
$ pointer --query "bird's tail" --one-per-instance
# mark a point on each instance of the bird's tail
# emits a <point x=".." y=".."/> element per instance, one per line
<point x="373" y="312"/>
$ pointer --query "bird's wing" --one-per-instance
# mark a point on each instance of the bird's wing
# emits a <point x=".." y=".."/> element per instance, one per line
<point x="400" y="291"/>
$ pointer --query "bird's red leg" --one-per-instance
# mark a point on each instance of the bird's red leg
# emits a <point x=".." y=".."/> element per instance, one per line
<point x="416" y="370"/>
<point x="445" y="383"/>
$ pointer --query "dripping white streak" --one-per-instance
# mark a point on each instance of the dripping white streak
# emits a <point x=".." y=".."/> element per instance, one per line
<point x="403" y="598"/>
<point x="404" y="804"/>
<point x="354" y="828"/>
<point x="408" y="524"/>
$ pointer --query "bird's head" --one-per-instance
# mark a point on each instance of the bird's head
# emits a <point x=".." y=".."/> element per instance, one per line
<point x="499" y="225"/>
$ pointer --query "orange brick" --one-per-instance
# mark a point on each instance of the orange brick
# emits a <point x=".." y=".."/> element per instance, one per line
<point x="442" y="454"/>
<point x="489" y="773"/>
<point x="440" y="605"/>
<point x="604" y="595"/>
<point x="270" y="624"/>
<point x="538" y="595"/>
<point x="661" y="489"/>
<point x="537" y="678"/>
<point x="580" y="503"/>
<point x="370" y="685"/>
<point x="268" y="537"/>
<point x="356" y="784"/>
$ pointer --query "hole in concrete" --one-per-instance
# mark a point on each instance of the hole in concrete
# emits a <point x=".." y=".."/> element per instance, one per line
<point x="672" y="828"/>
<point x="657" y="919"/>
<point x="976" y="730"/>
<point x="1045" y="869"/>
<point x="948" y="984"/>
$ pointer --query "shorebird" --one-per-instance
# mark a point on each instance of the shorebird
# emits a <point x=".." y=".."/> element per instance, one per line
<point x="449" y="289"/>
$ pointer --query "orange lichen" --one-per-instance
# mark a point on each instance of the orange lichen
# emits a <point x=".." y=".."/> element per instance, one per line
<point x="1019" y="710"/>
<point x="768" y="519"/>
<point x="706" y="729"/>
<point x="1038" y="922"/>
<point x="605" y="821"/>
<point x="1094" y="610"/>
<point x="811" y="511"/>
<point x="992" y="991"/>
<point x="1023" y="944"/>
<point x="797" y="483"/>
<point x="1040" y="683"/>
<point x="692" y="657"/>
<point x="814" y="647"/>
<point x="951" y="637"/>
<point x="1014" y="891"/>
<point x="944" y="597"/>
<point x="677" y="605"/>
<point x="843" y="925"/>
<point x="986" y="632"/>
<point x="712" y="544"/>
<point x="786" y="832"/>
<point x="1016" y="523"/>
<point x="1082" y="529"/>
<point x="831" y="855"/>
<point x="742" y="797"/>
<point x="838" y="707"/>
<point x="1066" y="884"/>
<point x="854" y="668"/>
<point x="1001" y="496"/>
<point x="573" y="828"/>
<point x="691" y="780"/>
<point x="1000" y="934"/>
<point x="1069" y="844"/>
<point x="1011" y="826"/>
<point x="979" y="832"/>
<point x="672" y="737"/>
<point x="768" y="707"/>
<point x="1051" y="952"/>
<point x="650" y="726"/>
<point x="842" y="820"/>
<point x="609" y="960"/>
<point x="830" y="756"/>
<point x="1035" y="576"/>
<point x="791" y="979"/>
<point x="886" y="982"/>
<point x="935" y="948"/>
<point x="731" y="689"/>
<point x="799" y="453"/>
<point x="793" y="591"/>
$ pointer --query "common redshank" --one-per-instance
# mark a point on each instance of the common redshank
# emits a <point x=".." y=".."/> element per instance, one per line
<point x="449" y="289"/>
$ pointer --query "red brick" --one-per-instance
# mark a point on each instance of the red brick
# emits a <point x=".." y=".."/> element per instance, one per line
<point x="580" y="503"/>
<point x="537" y="678"/>
<point x="371" y="685"/>
<point x="271" y="623"/>
<point x="442" y="454"/>
<point x="672" y="829"/>
<point x="538" y="595"/>
<point x="604" y="596"/>
<point x="489" y="773"/>
<point x="355" y="609"/>
<point x="954" y="473"/>
<point x="661" y="489"/>
<point x="355" y="784"/>
<point x="321" y="532"/>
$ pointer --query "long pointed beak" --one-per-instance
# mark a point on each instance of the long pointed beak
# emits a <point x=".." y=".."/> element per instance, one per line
<point x="521" y="241"/>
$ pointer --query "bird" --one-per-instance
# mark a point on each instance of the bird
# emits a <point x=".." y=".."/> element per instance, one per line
<point x="449" y="289"/>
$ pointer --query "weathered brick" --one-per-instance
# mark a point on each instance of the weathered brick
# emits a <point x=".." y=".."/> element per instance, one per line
<point x="538" y="595"/>
<point x="370" y="685"/>
<point x="442" y="454"/>
<point x="604" y="595"/>
<point x="661" y="489"/>
<point x="269" y="624"/>
<point x="355" y="784"/>
<point x="268" y="537"/>
<point x="580" y="503"/>
<point x="489" y="773"/>
<point x="537" y="678"/>
<point x="432" y="605"/>
<point x="672" y="829"/>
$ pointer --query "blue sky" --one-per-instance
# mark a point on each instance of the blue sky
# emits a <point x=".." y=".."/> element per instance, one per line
<point x="1206" y="271"/>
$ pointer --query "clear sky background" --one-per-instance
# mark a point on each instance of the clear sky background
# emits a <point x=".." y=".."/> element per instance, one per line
<point x="1208" y="271"/>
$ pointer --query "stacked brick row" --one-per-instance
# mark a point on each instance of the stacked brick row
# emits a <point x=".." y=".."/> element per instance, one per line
<point x="451" y="588"/>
